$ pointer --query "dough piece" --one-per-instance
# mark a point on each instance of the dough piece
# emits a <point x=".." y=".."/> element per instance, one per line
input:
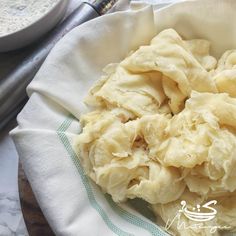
<point x="170" y="55"/>
<point x="116" y="156"/>
<point x="142" y="94"/>
<point x="163" y="129"/>
<point x="200" y="49"/>
<point x="227" y="61"/>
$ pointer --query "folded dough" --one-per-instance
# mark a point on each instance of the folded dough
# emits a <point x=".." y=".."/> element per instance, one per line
<point x="141" y="94"/>
<point x="174" y="58"/>
<point x="116" y="157"/>
<point x="163" y="129"/>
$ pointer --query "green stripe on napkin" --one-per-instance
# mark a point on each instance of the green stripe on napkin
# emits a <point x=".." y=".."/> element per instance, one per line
<point x="127" y="216"/>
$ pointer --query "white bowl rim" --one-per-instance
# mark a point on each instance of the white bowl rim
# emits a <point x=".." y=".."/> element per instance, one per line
<point x="33" y="22"/>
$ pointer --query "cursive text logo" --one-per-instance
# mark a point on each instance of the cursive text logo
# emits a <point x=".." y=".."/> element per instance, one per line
<point x="199" y="215"/>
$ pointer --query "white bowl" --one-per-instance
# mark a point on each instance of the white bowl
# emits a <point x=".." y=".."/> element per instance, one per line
<point x="35" y="30"/>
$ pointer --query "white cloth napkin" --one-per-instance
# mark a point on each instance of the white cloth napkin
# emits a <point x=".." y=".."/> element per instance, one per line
<point x="72" y="204"/>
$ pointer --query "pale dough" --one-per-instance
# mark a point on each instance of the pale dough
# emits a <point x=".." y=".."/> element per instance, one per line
<point x="164" y="129"/>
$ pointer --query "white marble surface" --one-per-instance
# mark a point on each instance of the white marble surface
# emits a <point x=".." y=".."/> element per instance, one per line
<point x="11" y="219"/>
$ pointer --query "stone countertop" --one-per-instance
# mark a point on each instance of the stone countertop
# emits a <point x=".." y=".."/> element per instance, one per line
<point x="11" y="219"/>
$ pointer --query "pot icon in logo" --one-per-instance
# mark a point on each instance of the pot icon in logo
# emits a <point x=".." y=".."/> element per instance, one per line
<point x="196" y="215"/>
